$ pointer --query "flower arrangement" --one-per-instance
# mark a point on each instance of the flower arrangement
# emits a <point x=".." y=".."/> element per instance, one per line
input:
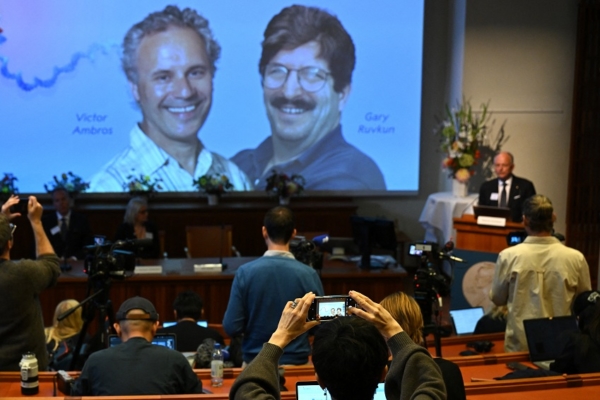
<point x="461" y="134"/>
<point x="213" y="184"/>
<point x="282" y="185"/>
<point x="7" y="185"/>
<point x="141" y="184"/>
<point x="68" y="181"/>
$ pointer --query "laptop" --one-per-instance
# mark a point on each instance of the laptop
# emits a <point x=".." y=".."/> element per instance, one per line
<point x="547" y="337"/>
<point x="168" y="340"/>
<point x="310" y="390"/>
<point x="167" y="324"/>
<point x="466" y="319"/>
<point x="491" y="211"/>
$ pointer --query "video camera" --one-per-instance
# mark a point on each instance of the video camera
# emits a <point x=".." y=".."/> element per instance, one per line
<point x="431" y="282"/>
<point x="306" y="252"/>
<point x="111" y="260"/>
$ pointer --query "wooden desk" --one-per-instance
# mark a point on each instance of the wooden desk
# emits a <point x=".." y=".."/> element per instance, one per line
<point x="178" y="275"/>
<point x="453" y="345"/>
<point x="491" y="239"/>
<point x="584" y="386"/>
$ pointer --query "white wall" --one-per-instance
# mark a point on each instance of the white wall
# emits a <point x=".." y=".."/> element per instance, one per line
<point x="520" y="56"/>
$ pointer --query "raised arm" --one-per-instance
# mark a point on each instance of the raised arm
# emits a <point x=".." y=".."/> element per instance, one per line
<point x="35" y="210"/>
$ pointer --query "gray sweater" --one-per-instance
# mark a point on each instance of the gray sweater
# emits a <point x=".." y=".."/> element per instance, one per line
<point x="413" y="374"/>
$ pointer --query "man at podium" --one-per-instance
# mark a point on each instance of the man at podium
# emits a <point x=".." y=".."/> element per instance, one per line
<point x="506" y="190"/>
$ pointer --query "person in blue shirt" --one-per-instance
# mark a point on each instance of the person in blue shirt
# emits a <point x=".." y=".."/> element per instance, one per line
<point x="261" y="288"/>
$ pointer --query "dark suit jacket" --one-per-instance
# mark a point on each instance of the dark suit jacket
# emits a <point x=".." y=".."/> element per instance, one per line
<point x="78" y="235"/>
<point x="126" y="232"/>
<point x="190" y="336"/>
<point x="520" y="189"/>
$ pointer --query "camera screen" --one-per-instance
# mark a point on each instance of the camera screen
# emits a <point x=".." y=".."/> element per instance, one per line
<point x="331" y="308"/>
<point x="414" y="252"/>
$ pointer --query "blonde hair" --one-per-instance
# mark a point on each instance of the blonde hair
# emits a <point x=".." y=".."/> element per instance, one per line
<point x="405" y="310"/>
<point x="68" y="327"/>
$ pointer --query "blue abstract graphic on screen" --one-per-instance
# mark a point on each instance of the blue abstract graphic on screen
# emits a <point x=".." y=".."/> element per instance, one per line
<point x="92" y="52"/>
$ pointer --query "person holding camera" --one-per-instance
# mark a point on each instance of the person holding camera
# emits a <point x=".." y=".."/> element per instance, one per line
<point x="262" y="287"/>
<point x="21" y="282"/>
<point x="350" y="356"/>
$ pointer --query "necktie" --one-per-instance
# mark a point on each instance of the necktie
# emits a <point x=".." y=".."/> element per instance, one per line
<point x="63" y="228"/>
<point x="503" y="195"/>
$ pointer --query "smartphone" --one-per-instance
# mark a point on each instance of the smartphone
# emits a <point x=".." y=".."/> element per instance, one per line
<point x="20" y="207"/>
<point x="325" y="308"/>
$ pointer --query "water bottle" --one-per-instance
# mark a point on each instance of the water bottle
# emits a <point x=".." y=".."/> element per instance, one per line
<point x="29" y="374"/>
<point x="216" y="367"/>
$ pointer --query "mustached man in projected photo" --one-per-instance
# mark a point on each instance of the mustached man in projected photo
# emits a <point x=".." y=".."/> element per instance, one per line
<point x="306" y="67"/>
<point x="169" y="60"/>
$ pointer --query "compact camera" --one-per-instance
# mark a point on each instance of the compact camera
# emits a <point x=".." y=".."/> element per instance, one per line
<point x="325" y="308"/>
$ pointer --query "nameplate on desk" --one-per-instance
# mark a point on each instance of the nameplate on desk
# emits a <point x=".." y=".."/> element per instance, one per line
<point x="491" y="221"/>
<point x="208" y="267"/>
<point x="148" y="269"/>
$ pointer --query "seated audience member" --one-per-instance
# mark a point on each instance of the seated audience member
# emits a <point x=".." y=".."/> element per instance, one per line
<point x="349" y="355"/>
<point x="507" y="190"/>
<point x="136" y="367"/>
<point x="62" y="336"/>
<point x="135" y="225"/>
<point x="406" y="311"/>
<point x="188" y="311"/>
<point x="493" y="321"/>
<point x="21" y="282"/>
<point x="582" y="352"/>
<point x="69" y="231"/>
<point x="538" y="278"/>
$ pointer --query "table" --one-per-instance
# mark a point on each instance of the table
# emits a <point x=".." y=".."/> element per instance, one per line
<point x="338" y="277"/>
<point x="438" y="212"/>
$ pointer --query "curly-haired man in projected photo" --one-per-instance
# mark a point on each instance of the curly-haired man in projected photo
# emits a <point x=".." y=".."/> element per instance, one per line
<point x="169" y="59"/>
<point x="306" y="67"/>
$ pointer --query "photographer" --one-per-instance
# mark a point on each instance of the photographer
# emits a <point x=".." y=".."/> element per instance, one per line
<point x="262" y="287"/>
<point x="21" y="282"/>
<point x="349" y="354"/>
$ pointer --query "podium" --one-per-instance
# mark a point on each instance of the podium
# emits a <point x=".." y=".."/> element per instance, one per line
<point x="491" y="239"/>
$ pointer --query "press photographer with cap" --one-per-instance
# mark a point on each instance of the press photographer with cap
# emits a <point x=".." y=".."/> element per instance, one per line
<point x="136" y="367"/>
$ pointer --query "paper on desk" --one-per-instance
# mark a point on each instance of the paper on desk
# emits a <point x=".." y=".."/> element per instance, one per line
<point x="208" y="267"/>
<point x="148" y="269"/>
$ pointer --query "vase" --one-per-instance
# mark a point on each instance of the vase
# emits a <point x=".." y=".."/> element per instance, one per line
<point x="284" y="201"/>
<point x="460" y="189"/>
<point x="213" y="199"/>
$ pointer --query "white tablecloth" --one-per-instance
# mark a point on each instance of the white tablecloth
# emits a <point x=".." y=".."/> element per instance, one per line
<point x="438" y="212"/>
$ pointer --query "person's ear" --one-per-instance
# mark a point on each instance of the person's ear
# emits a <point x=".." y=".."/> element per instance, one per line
<point x="265" y="234"/>
<point x="117" y="328"/>
<point x="343" y="97"/>
<point x="134" y="91"/>
<point x="553" y="218"/>
<point x="525" y="221"/>
<point x="175" y="313"/>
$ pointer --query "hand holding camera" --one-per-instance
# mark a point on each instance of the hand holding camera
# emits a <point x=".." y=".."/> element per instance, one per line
<point x="293" y="322"/>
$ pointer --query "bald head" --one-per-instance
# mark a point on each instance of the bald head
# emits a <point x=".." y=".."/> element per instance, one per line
<point x="503" y="165"/>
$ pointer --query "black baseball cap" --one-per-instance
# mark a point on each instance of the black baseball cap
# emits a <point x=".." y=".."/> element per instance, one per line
<point x="137" y="303"/>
